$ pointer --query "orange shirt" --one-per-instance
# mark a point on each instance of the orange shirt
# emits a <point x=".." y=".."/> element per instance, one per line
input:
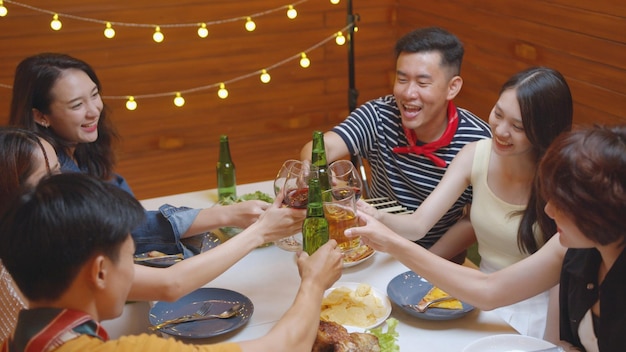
<point x="143" y="342"/>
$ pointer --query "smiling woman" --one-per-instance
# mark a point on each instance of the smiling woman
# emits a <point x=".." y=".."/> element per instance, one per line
<point x="58" y="96"/>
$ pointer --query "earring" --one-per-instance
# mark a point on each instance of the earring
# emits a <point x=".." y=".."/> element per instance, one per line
<point x="44" y="124"/>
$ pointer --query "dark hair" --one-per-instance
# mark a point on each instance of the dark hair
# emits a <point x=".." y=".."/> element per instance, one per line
<point x="34" y="79"/>
<point x="546" y="107"/>
<point x="54" y="229"/>
<point x="434" y="39"/>
<point x="18" y="148"/>
<point x="583" y="174"/>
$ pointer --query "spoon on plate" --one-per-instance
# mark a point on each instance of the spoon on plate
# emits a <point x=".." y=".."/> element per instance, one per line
<point x="229" y="313"/>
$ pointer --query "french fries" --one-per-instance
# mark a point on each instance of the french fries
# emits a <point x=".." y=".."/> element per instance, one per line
<point x="360" y="308"/>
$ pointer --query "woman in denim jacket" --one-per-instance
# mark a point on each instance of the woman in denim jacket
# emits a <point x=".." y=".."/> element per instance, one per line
<point x="58" y="97"/>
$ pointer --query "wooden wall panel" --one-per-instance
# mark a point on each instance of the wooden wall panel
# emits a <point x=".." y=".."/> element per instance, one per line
<point x="585" y="43"/>
<point x="165" y="149"/>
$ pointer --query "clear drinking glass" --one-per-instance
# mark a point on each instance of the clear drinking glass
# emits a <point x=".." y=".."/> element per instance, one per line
<point x="343" y="174"/>
<point x="290" y="243"/>
<point x="340" y="212"/>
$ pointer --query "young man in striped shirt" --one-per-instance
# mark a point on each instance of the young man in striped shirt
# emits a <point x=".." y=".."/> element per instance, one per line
<point x="410" y="137"/>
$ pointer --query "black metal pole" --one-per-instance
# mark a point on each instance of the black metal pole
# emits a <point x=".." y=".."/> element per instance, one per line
<point x="353" y="93"/>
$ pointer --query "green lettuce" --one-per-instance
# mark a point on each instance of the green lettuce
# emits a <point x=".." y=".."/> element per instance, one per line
<point x="258" y="195"/>
<point x="387" y="340"/>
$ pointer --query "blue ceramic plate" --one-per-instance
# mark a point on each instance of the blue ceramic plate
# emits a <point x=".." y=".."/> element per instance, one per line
<point x="410" y="288"/>
<point x="221" y="299"/>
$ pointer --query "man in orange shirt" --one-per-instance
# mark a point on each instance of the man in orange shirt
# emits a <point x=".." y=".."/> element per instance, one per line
<point x="68" y="247"/>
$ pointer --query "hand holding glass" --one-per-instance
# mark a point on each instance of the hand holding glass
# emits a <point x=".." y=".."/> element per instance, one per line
<point x="296" y="188"/>
<point x="290" y="243"/>
<point x="340" y="212"/>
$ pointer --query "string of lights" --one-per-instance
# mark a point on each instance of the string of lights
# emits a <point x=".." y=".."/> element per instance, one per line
<point x="158" y="35"/>
<point x="131" y="100"/>
<point x="222" y="92"/>
<point x="109" y="32"/>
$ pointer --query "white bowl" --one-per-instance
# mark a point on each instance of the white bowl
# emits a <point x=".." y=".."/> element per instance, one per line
<point x="379" y="294"/>
<point x="507" y="343"/>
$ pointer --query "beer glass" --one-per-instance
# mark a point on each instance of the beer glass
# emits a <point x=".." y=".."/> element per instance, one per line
<point x="340" y="212"/>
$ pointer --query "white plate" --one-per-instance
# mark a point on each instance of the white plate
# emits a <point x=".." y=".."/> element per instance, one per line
<point x="507" y="343"/>
<point x="379" y="294"/>
<point x="347" y="262"/>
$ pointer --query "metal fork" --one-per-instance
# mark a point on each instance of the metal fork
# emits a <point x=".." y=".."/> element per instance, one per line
<point x="202" y="311"/>
<point x="422" y="307"/>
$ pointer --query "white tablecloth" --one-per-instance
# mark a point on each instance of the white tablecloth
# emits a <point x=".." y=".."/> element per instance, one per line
<point x="269" y="277"/>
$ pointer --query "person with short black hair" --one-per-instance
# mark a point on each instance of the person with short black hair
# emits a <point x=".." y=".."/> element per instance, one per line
<point x="410" y="137"/>
<point x="26" y="159"/>
<point x="67" y="245"/>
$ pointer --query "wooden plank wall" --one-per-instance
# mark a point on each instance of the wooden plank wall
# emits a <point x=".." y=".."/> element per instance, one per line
<point x="167" y="150"/>
<point x="584" y="40"/>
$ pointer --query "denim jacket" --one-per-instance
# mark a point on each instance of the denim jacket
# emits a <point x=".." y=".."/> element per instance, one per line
<point x="161" y="230"/>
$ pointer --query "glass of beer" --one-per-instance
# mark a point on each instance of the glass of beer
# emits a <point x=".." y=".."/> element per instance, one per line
<point x="340" y="212"/>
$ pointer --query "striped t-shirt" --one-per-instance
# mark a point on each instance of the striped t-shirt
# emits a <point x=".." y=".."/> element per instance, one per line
<point x="375" y="128"/>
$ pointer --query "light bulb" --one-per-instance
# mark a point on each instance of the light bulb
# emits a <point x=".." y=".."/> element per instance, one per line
<point x="304" y="61"/>
<point x="203" y="32"/>
<point x="3" y="10"/>
<point x="356" y="29"/>
<point x="334" y="2"/>
<point x="265" y="77"/>
<point x="179" y="100"/>
<point x="291" y="12"/>
<point x="222" y="92"/>
<point x="109" y="32"/>
<point x="131" y="104"/>
<point x="55" y="23"/>
<point x="340" y="39"/>
<point x="250" y="25"/>
<point x="158" y="36"/>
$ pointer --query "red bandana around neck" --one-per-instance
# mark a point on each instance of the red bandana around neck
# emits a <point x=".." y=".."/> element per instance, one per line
<point x="428" y="148"/>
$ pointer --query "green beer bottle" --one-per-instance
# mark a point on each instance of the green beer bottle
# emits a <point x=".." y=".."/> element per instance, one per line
<point x="318" y="159"/>
<point x="226" y="181"/>
<point x="315" y="226"/>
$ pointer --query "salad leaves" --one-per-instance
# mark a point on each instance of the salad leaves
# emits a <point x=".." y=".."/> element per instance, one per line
<point x="258" y="195"/>
<point x="387" y="340"/>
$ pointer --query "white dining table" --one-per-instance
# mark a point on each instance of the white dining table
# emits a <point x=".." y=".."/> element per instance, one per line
<point x="269" y="277"/>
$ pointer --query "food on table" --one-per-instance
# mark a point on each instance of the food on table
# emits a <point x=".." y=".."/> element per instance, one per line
<point x="388" y="341"/>
<point x="155" y="254"/>
<point x="358" y="254"/>
<point x="360" y="308"/>
<point x="257" y="195"/>
<point x="334" y="337"/>
<point x="436" y="293"/>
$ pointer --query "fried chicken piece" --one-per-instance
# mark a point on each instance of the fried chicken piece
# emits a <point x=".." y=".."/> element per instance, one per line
<point x="330" y="334"/>
<point x="365" y="342"/>
<point x="332" y="337"/>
